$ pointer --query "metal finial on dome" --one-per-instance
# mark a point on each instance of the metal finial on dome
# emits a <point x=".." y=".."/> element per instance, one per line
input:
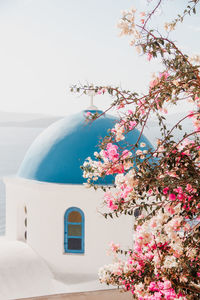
<point x="92" y="106"/>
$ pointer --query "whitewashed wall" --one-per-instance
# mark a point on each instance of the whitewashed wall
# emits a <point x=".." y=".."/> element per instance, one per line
<point x="46" y="205"/>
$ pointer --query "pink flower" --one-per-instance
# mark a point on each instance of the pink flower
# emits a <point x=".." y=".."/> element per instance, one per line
<point x="165" y="110"/>
<point x="153" y="224"/>
<point x="172" y="196"/>
<point x="171" y="210"/>
<point x="120" y="106"/>
<point x="88" y="113"/>
<point x="149" y="56"/>
<point x="111" y="152"/>
<point x="180" y="196"/>
<point x="188" y="187"/>
<point x="101" y="91"/>
<point x="165" y="190"/>
<point x="153" y="83"/>
<point x="153" y="287"/>
<point x="119" y="168"/>
<point x="108" y="197"/>
<point x="178" y="189"/>
<point x="191" y="114"/>
<point x="164" y="75"/>
<point x="142" y="14"/>
<point x="132" y="124"/>
<point x="126" y="192"/>
<point x="125" y="154"/>
<point x="114" y="247"/>
<point x="167" y="284"/>
<point x="130" y="112"/>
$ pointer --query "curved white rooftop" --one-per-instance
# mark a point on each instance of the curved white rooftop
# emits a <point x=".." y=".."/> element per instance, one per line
<point x="22" y="272"/>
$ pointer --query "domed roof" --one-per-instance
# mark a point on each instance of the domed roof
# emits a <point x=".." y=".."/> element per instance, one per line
<point x="58" y="152"/>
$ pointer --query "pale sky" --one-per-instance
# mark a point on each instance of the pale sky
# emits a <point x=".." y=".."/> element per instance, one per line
<point x="47" y="45"/>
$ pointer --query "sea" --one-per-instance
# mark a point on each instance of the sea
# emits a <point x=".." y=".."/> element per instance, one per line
<point x="14" y="143"/>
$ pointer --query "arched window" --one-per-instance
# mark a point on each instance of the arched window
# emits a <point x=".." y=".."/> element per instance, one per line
<point x="74" y="230"/>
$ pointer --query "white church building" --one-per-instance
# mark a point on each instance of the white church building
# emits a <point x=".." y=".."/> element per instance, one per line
<point x="49" y="208"/>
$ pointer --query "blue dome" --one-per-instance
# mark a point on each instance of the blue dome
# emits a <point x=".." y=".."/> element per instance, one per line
<point x="58" y="152"/>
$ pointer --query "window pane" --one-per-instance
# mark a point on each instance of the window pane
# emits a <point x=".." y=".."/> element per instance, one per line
<point x="74" y="230"/>
<point x="74" y="244"/>
<point x="74" y="217"/>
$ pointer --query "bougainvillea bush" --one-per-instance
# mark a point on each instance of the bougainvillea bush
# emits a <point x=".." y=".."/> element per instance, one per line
<point x="162" y="184"/>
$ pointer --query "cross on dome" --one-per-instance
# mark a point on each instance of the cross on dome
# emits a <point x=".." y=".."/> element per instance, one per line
<point x="92" y="106"/>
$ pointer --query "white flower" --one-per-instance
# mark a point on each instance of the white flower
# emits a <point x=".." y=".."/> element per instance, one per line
<point x="87" y="185"/>
<point x="195" y="58"/>
<point x="128" y="164"/>
<point x="119" y="131"/>
<point x="96" y="154"/>
<point x="170" y="262"/>
<point x="139" y="289"/>
<point x="139" y="152"/>
<point x="169" y="26"/>
<point x="142" y="145"/>
<point x="132" y="42"/>
<point x="183" y="279"/>
<point x="119" y="179"/>
<point x="192" y="253"/>
<point x="138" y="49"/>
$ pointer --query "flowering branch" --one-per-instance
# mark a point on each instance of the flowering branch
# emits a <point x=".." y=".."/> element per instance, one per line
<point x="162" y="184"/>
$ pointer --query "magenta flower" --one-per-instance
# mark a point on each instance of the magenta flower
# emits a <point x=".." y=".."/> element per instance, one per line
<point x="172" y="196"/>
<point x="132" y="124"/>
<point x="165" y="190"/>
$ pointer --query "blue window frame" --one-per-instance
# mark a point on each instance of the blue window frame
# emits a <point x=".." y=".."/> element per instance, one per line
<point x="74" y="231"/>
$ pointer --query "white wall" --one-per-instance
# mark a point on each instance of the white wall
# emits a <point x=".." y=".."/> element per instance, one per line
<point x="46" y="205"/>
